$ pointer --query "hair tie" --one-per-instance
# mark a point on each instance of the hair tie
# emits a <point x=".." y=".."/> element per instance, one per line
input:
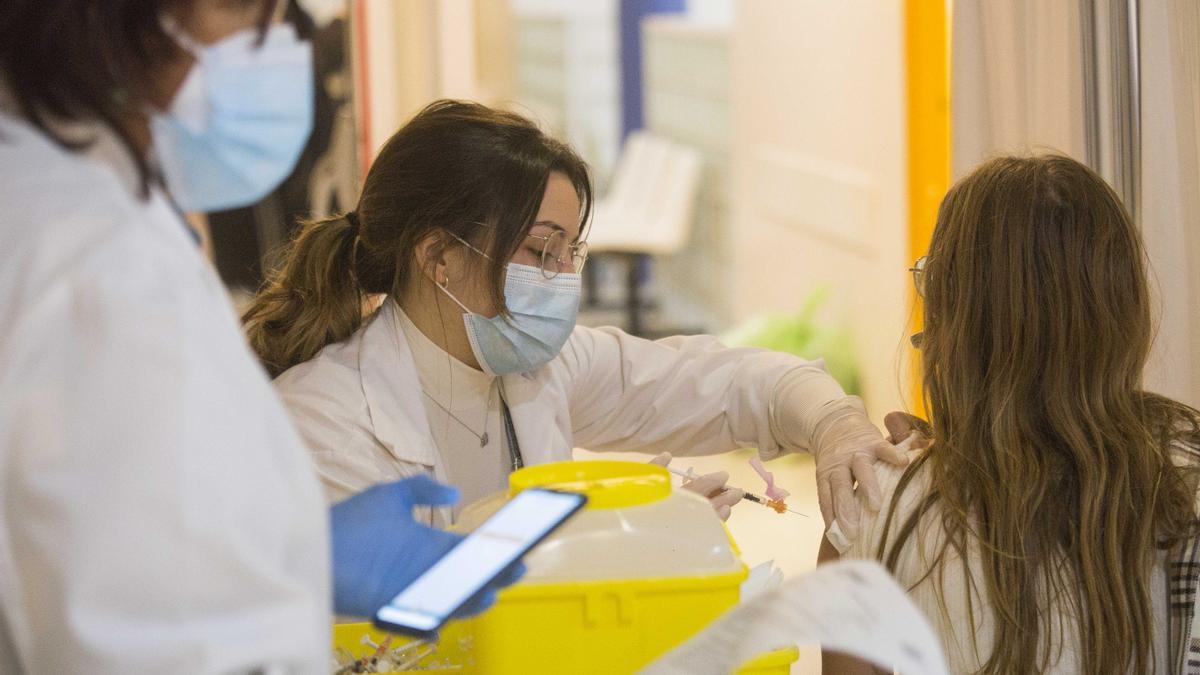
<point x="352" y="218"/>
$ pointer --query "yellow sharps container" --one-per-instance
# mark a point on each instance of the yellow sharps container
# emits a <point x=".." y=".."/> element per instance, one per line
<point x="639" y="570"/>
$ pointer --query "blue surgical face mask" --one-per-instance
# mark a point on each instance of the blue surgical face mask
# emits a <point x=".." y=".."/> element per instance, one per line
<point x="239" y="122"/>
<point x="543" y="316"/>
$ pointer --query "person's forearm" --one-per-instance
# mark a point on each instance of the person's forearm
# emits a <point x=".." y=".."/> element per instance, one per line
<point x="802" y="398"/>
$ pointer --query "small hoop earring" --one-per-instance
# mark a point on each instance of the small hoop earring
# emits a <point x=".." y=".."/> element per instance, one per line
<point x="445" y="283"/>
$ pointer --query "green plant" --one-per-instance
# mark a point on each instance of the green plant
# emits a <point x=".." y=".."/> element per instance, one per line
<point x="801" y="334"/>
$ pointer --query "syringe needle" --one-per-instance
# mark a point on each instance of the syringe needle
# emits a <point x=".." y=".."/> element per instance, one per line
<point x="769" y="503"/>
<point x="748" y="496"/>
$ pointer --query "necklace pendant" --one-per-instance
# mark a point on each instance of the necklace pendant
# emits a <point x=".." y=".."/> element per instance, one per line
<point x="483" y="440"/>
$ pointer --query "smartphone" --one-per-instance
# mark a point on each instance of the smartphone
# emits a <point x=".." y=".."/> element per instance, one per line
<point x="429" y="601"/>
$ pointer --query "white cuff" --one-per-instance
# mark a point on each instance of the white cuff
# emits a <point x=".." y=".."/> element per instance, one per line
<point x="801" y="399"/>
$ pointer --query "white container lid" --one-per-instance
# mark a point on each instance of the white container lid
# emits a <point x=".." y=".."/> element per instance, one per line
<point x="634" y="526"/>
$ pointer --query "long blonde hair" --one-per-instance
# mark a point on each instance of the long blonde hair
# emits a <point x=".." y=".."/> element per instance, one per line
<point x="1049" y="459"/>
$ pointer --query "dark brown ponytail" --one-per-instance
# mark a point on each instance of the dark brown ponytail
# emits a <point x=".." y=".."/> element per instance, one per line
<point x="313" y="300"/>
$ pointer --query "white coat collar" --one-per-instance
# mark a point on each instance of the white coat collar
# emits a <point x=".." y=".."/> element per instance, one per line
<point x="393" y="391"/>
<point x="101" y="144"/>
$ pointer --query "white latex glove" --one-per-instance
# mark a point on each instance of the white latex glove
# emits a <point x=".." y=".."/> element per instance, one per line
<point x="845" y="446"/>
<point x="711" y="486"/>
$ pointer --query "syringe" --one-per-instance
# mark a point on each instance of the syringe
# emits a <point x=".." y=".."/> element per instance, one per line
<point x="776" y="504"/>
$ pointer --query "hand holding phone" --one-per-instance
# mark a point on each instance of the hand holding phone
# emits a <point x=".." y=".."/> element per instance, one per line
<point x="379" y="549"/>
<point x="463" y="575"/>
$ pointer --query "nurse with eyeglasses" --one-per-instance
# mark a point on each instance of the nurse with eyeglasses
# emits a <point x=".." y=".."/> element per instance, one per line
<point x="432" y="331"/>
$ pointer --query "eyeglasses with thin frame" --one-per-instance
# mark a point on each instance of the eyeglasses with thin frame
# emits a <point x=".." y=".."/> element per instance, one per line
<point x="557" y="254"/>
<point x="560" y="255"/>
<point x="918" y="275"/>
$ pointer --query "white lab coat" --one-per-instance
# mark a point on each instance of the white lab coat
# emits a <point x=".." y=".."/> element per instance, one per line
<point x="358" y="402"/>
<point x="158" y="513"/>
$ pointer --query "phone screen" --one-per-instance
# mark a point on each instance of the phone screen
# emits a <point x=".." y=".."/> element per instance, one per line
<point x="510" y="533"/>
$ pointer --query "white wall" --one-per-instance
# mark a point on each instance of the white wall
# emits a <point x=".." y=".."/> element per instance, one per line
<point x="1018" y="86"/>
<point x="686" y="83"/>
<point x="819" y="184"/>
<point x="712" y="12"/>
<point x="568" y="73"/>
<point x="1016" y="81"/>
<point x="541" y="70"/>
<point x="1171" y="190"/>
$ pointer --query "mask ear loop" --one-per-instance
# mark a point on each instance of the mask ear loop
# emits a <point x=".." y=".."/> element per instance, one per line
<point x="444" y="286"/>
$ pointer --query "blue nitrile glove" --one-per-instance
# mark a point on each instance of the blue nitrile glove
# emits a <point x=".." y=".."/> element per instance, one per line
<point x="378" y="549"/>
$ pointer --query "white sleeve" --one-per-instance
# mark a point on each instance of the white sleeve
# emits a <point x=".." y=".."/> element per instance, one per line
<point x="158" y="513"/>
<point x="687" y="395"/>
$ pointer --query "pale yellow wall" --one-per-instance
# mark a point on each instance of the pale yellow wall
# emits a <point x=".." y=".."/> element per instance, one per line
<point x="819" y="172"/>
<point x="495" y="51"/>
<point x="417" y="51"/>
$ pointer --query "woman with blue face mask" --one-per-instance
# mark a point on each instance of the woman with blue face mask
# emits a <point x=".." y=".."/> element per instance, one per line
<point x="432" y="331"/>
<point x="159" y="513"/>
